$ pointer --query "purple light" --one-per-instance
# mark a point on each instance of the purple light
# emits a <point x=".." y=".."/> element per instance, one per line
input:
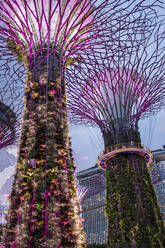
<point x="117" y="87"/>
<point x="118" y="91"/>
<point x="61" y="25"/>
<point x="48" y="20"/>
<point x="69" y="27"/>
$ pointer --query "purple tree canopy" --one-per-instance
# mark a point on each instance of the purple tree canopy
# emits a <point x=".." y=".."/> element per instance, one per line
<point x="67" y="27"/>
<point x="11" y="103"/>
<point x="58" y="25"/>
<point x="121" y="89"/>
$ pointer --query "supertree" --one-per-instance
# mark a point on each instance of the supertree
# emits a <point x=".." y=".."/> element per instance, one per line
<point x="115" y="94"/>
<point x="81" y="192"/>
<point x="11" y="108"/>
<point x="44" y="35"/>
<point x="7" y="125"/>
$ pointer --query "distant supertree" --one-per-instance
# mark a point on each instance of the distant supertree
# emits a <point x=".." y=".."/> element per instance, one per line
<point x="81" y="192"/>
<point x="44" y="35"/>
<point x="81" y="195"/>
<point x="115" y="94"/>
<point x="11" y="107"/>
<point x="7" y="125"/>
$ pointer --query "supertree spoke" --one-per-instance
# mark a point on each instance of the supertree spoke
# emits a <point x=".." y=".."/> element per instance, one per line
<point x="11" y="107"/>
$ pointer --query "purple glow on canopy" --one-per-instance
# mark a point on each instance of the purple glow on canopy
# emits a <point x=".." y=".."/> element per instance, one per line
<point x="62" y="24"/>
<point x="77" y="25"/>
<point x="45" y="16"/>
<point x="118" y="90"/>
<point x="69" y="27"/>
<point x="118" y="87"/>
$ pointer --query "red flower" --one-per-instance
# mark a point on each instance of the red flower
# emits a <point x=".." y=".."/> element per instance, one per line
<point x="53" y="92"/>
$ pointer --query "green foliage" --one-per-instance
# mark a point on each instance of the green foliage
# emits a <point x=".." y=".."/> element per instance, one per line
<point x="18" y="50"/>
<point x="134" y="218"/>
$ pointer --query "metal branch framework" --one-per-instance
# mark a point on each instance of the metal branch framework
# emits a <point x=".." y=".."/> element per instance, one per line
<point x="58" y="26"/>
<point x="67" y="27"/>
<point x="41" y="34"/>
<point x="121" y="89"/>
<point x="7" y="125"/>
<point x="11" y="107"/>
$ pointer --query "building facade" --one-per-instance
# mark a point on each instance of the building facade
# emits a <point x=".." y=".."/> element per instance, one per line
<point x="93" y="204"/>
<point x="3" y="211"/>
<point x="157" y="170"/>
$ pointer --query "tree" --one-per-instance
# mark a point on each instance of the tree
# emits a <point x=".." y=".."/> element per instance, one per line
<point x="114" y="94"/>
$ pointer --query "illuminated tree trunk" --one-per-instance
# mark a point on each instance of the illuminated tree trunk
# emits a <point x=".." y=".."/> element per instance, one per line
<point x="44" y="208"/>
<point x="134" y="219"/>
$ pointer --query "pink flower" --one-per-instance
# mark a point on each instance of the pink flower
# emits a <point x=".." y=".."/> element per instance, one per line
<point x="48" y="193"/>
<point x="2" y="245"/>
<point x="52" y="91"/>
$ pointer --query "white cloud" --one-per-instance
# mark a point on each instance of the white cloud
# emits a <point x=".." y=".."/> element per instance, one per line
<point x="13" y="150"/>
<point x="5" y="174"/>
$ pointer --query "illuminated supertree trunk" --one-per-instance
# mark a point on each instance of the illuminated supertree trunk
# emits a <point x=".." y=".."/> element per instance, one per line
<point x="43" y="207"/>
<point x="114" y="94"/>
<point x="45" y="35"/>
<point x="42" y="176"/>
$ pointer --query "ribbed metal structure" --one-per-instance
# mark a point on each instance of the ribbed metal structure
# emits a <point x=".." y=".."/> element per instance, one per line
<point x="120" y="89"/>
<point x="93" y="205"/>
